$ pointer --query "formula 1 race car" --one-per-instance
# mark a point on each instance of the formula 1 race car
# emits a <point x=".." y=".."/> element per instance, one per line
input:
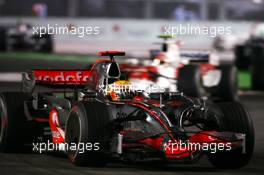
<point x="94" y="116"/>
<point x="250" y="57"/>
<point x="196" y="73"/>
<point x="21" y="37"/>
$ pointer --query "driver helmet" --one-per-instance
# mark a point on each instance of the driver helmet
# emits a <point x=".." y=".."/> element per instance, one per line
<point x="119" y="90"/>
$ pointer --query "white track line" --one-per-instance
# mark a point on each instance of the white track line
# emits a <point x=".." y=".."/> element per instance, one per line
<point x="10" y="77"/>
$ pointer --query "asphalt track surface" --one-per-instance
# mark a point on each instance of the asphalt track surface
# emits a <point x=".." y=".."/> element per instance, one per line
<point x="49" y="164"/>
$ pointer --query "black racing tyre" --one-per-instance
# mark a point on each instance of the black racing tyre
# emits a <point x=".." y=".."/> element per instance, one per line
<point x="13" y="128"/>
<point x="44" y="43"/>
<point x="227" y="89"/>
<point x="190" y="81"/>
<point x="3" y="46"/>
<point x="257" y="68"/>
<point x="235" y="118"/>
<point x="47" y="47"/>
<point x="89" y="123"/>
<point x="242" y="58"/>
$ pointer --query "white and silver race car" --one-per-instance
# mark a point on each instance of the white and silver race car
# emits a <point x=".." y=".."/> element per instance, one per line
<point x="196" y="73"/>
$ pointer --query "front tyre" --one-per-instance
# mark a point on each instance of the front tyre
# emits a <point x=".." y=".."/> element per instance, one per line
<point x="235" y="118"/>
<point x="89" y="124"/>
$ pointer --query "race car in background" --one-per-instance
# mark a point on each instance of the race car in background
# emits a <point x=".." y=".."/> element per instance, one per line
<point x="249" y="55"/>
<point x="196" y="73"/>
<point x="94" y="117"/>
<point x="225" y="43"/>
<point x="22" y="38"/>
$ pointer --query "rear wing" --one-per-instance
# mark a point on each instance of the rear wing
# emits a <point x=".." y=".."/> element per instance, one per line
<point x="111" y="54"/>
<point x="55" y="80"/>
<point x="72" y="80"/>
<point x="165" y="36"/>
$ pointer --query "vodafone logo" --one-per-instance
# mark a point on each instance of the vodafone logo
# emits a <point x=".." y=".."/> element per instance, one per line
<point x="61" y="77"/>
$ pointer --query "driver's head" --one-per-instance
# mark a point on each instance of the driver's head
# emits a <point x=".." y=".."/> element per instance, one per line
<point x="160" y="58"/>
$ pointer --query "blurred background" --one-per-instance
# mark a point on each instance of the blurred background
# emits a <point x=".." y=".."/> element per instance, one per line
<point x="213" y="10"/>
<point x="133" y="25"/>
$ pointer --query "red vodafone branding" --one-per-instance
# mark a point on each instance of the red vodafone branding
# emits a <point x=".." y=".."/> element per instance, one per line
<point x="61" y="77"/>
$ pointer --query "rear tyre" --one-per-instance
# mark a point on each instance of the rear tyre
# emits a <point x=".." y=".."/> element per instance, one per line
<point x="3" y="46"/>
<point x="190" y="81"/>
<point x="228" y="86"/>
<point x="47" y="46"/>
<point x="242" y="59"/>
<point x="89" y="123"/>
<point x="13" y="128"/>
<point x="235" y="118"/>
<point x="257" y="69"/>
